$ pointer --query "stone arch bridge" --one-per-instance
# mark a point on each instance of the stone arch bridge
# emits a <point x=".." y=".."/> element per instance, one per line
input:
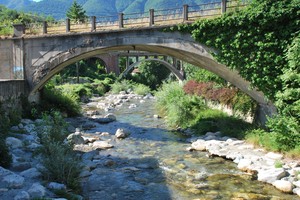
<point x="46" y="55"/>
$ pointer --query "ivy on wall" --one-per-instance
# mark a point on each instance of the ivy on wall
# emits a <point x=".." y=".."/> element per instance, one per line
<point x="253" y="41"/>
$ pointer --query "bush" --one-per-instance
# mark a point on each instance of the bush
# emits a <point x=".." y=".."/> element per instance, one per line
<point x="53" y="98"/>
<point x="61" y="163"/>
<point x="231" y="97"/>
<point x="141" y="89"/>
<point x="178" y="107"/>
<point x="262" y="138"/>
<point x="124" y="85"/>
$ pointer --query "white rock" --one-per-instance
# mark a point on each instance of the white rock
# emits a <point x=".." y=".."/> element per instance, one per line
<point x="98" y="145"/>
<point x="275" y="156"/>
<point x="37" y="191"/>
<point x="148" y="96"/>
<point x="296" y="191"/>
<point x="23" y="195"/>
<point x="111" y="116"/>
<point x="199" y="145"/>
<point x="75" y="138"/>
<point x="284" y="186"/>
<point x="244" y="164"/>
<point x="270" y="175"/>
<point x="132" y="105"/>
<point x="29" y="128"/>
<point x="297" y="184"/>
<point x="122" y="133"/>
<point x="31" y="173"/>
<point x="14" y="181"/>
<point x="4" y="172"/>
<point x="13" y="143"/>
<point x="56" y="186"/>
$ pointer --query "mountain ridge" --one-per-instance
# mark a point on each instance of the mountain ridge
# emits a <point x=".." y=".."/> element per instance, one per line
<point x="58" y="8"/>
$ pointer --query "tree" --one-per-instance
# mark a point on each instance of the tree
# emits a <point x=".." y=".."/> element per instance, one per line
<point x="76" y="13"/>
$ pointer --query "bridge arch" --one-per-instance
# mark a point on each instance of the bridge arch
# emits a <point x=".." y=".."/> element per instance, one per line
<point x="69" y="48"/>
<point x="176" y="72"/>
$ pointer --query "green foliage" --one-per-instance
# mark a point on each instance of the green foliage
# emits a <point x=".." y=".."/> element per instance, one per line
<point x="263" y="138"/>
<point x="210" y="120"/>
<point x="201" y="75"/>
<point x="286" y="130"/>
<point x="231" y="97"/>
<point x="124" y="85"/>
<point x="53" y="98"/>
<point x="9" y="17"/>
<point x="60" y="161"/>
<point x="76" y="91"/>
<point x="151" y="74"/>
<point x="178" y="107"/>
<point x="141" y="89"/>
<point x="76" y="13"/>
<point x="182" y="110"/>
<point x="253" y="40"/>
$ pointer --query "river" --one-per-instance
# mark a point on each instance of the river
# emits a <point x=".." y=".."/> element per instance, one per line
<point x="153" y="163"/>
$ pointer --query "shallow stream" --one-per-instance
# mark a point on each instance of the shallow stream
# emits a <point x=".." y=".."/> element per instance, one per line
<point x="153" y="163"/>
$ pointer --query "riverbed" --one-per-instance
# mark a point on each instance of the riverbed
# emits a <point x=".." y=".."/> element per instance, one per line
<point x="153" y="163"/>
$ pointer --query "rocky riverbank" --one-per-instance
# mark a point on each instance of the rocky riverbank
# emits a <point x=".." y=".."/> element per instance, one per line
<point x="264" y="166"/>
<point x="122" y="161"/>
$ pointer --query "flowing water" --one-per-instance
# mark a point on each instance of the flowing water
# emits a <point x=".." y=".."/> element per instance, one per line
<point x="153" y="163"/>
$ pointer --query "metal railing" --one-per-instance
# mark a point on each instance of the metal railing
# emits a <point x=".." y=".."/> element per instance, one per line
<point x="172" y="16"/>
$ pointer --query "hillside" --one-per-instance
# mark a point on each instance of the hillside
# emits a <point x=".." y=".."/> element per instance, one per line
<point x="58" y="8"/>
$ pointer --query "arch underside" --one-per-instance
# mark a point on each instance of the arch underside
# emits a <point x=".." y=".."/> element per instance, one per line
<point x="187" y="51"/>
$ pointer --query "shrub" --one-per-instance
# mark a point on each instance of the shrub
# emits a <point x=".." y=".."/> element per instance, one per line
<point x="262" y="138"/>
<point x="61" y="163"/>
<point x="53" y="98"/>
<point x="227" y="96"/>
<point x="141" y="89"/>
<point x="124" y="85"/>
<point x="178" y="107"/>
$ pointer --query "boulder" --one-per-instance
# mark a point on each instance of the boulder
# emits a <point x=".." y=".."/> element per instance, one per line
<point x="31" y="173"/>
<point x="13" y="143"/>
<point x="23" y="195"/>
<point x="274" y="156"/>
<point x="244" y="164"/>
<point x="13" y="181"/>
<point x="284" y="186"/>
<point x="110" y="116"/>
<point x="122" y="133"/>
<point x="56" y="186"/>
<point x="270" y="175"/>
<point x="296" y="191"/>
<point x="75" y="138"/>
<point x="37" y="191"/>
<point x="199" y="145"/>
<point x="29" y="128"/>
<point x="99" y="145"/>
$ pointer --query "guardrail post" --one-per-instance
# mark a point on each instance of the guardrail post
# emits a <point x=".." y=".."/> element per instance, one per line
<point x="185" y="12"/>
<point x="93" y="23"/>
<point x="68" y="28"/>
<point x="121" y="20"/>
<point x="45" y="25"/>
<point x="223" y="6"/>
<point x="151" y="22"/>
<point x="19" y="30"/>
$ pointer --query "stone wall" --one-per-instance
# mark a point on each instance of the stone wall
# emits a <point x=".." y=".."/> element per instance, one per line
<point x="11" y="93"/>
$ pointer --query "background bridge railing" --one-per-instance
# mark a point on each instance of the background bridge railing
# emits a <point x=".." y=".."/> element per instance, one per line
<point x="172" y="16"/>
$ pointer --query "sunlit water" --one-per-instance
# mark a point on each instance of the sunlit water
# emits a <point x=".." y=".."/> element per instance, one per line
<point x="186" y="175"/>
